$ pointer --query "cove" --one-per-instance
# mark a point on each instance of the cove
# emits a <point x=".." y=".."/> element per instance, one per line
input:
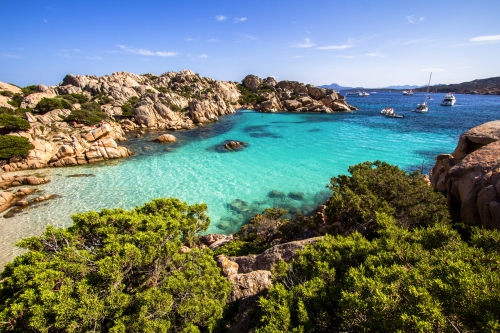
<point x="293" y="154"/>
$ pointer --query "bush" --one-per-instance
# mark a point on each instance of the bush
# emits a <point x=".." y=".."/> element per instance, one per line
<point x="116" y="271"/>
<point x="128" y="107"/>
<point x="28" y="90"/>
<point x="75" y="98"/>
<point x="11" y="145"/>
<point x="419" y="280"/>
<point x="10" y="123"/>
<point x="102" y="99"/>
<point x="248" y="97"/>
<point x="16" y="100"/>
<point x="162" y="89"/>
<point x="6" y="93"/>
<point x="89" y="114"/>
<point x="18" y="111"/>
<point x="48" y="104"/>
<point x="381" y="187"/>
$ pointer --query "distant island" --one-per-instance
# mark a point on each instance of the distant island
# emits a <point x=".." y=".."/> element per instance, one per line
<point x="490" y="86"/>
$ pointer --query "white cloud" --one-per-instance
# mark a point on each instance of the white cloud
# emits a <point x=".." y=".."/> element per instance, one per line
<point x="335" y="47"/>
<point x="418" y="40"/>
<point x="296" y="57"/>
<point x="146" y="52"/>
<point x="9" y="55"/>
<point x="192" y="39"/>
<point x="213" y="40"/>
<point x="305" y="45"/>
<point x="64" y="55"/>
<point x="435" y="70"/>
<point x="239" y="19"/>
<point x="94" y="58"/>
<point x="220" y="17"/>
<point x="375" y="54"/>
<point x="411" y="19"/>
<point x="203" y="56"/>
<point x="345" y="57"/>
<point x="491" y="38"/>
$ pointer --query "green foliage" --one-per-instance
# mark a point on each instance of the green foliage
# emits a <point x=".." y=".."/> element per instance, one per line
<point x="11" y="145"/>
<point x="48" y="104"/>
<point x="116" y="271"/>
<point x="102" y="99"/>
<point x="28" y="90"/>
<point x="17" y="111"/>
<point x="128" y="107"/>
<point x="75" y="98"/>
<point x="6" y="93"/>
<point x="89" y="114"/>
<point x="263" y="228"/>
<point x="406" y="280"/>
<point x="16" y="100"/>
<point x="248" y="97"/>
<point x="381" y="187"/>
<point x="150" y="91"/>
<point x="162" y="89"/>
<point x="10" y="123"/>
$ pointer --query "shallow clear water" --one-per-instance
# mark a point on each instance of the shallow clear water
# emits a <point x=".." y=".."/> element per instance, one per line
<point x="287" y="152"/>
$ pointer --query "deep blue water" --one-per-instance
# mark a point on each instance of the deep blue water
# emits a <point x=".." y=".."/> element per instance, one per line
<point x="287" y="152"/>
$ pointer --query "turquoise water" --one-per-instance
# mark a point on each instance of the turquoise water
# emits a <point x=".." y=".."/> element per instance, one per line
<point x="286" y="152"/>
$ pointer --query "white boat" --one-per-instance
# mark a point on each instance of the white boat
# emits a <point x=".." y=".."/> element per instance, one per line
<point x="449" y="100"/>
<point x="408" y="92"/>
<point x="422" y="108"/>
<point x="387" y="111"/>
<point x="363" y="94"/>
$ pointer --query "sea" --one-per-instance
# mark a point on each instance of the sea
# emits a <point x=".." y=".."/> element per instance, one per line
<point x="288" y="161"/>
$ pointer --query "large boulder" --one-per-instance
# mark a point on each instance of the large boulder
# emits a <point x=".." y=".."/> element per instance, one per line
<point x="165" y="138"/>
<point x="470" y="177"/>
<point x="252" y="82"/>
<point x="250" y="284"/>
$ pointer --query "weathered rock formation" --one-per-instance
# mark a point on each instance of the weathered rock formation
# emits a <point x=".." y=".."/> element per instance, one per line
<point x="470" y="176"/>
<point x="165" y="138"/>
<point x="294" y="96"/>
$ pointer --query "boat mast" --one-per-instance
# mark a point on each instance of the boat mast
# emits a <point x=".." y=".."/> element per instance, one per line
<point x="428" y="85"/>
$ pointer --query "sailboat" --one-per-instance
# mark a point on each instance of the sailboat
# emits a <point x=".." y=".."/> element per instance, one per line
<point x="421" y="108"/>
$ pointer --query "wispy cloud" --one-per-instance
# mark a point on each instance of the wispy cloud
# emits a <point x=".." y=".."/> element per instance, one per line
<point x="414" y="41"/>
<point x="250" y="37"/>
<point x="44" y="21"/>
<point x="94" y="58"/>
<point x="220" y="17"/>
<point x="203" y="56"/>
<point x="345" y="57"/>
<point x="306" y="44"/>
<point x="483" y="39"/>
<point x="146" y="52"/>
<point x="296" y="57"/>
<point x="213" y="40"/>
<point x="435" y="70"/>
<point x="335" y="47"/>
<point x="239" y="19"/>
<point x="64" y="55"/>
<point x="192" y="39"/>
<point x="9" y="55"/>
<point x="375" y="54"/>
<point x="411" y="19"/>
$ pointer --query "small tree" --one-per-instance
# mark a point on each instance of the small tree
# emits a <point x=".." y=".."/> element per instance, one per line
<point x="10" y="123"/>
<point x="48" y="104"/>
<point x="11" y="145"/>
<point x="116" y="271"/>
<point x="89" y="114"/>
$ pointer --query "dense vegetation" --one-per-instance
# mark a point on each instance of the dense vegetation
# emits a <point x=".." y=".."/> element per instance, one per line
<point x="247" y="96"/>
<point x="88" y="114"/>
<point x="10" y="123"/>
<point x="128" y="107"/>
<point x="116" y="271"/>
<point x="11" y="145"/>
<point x="48" y="104"/>
<point x="482" y="86"/>
<point x="419" y="280"/>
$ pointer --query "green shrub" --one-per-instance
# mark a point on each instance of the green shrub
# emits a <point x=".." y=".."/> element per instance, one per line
<point x="248" y="97"/>
<point x="240" y="248"/>
<point x="418" y="280"/>
<point x="89" y="114"/>
<point x="75" y="98"/>
<point x="378" y="186"/>
<point x="162" y="89"/>
<point x="116" y="271"/>
<point x="6" y="93"/>
<point x="28" y="90"/>
<point x="10" y="123"/>
<point x="102" y="99"/>
<point x="18" y="111"/>
<point x="16" y="100"/>
<point x="128" y="107"/>
<point x="48" y="104"/>
<point x="11" y="145"/>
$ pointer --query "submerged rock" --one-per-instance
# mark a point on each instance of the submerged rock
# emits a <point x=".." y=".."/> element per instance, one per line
<point x="296" y="196"/>
<point x="276" y="194"/>
<point x="165" y="138"/>
<point x="238" y="205"/>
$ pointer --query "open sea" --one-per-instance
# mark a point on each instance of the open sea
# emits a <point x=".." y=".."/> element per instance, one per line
<point x="292" y="154"/>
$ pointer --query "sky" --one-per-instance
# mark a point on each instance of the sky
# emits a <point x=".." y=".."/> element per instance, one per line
<point x="351" y="43"/>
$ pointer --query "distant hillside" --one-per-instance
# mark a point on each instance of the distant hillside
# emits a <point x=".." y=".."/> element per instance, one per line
<point x="489" y="86"/>
<point x="402" y="87"/>
<point x="336" y="87"/>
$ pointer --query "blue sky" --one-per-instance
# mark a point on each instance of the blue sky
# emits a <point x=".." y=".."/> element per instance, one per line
<point x="352" y="43"/>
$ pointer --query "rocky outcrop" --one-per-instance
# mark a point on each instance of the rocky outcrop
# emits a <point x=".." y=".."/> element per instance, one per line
<point x="470" y="176"/>
<point x="247" y="285"/>
<point x="270" y="257"/>
<point x="294" y="96"/>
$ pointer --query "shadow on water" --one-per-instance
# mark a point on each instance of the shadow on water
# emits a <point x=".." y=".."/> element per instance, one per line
<point x="261" y="131"/>
<point x="240" y="212"/>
